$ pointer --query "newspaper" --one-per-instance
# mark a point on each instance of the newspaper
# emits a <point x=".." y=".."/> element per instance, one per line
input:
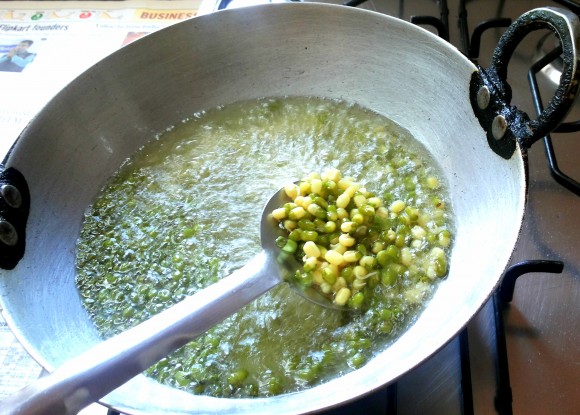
<point x="44" y="45"/>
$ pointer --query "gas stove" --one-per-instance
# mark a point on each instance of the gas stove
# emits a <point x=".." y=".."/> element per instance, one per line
<point x="520" y="353"/>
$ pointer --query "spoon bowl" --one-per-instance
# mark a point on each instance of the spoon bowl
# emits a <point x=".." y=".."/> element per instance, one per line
<point x="285" y="264"/>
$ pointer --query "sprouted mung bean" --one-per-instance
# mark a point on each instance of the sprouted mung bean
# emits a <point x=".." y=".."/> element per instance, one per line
<point x="347" y="241"/>
<point x="185" y="211"/>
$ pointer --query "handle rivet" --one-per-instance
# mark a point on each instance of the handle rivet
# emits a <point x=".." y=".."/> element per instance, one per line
<point x="498" y="127"/>
<point x="11" y="196"/>
<point x="483" y="97"/>
<point x="8" y="235"/>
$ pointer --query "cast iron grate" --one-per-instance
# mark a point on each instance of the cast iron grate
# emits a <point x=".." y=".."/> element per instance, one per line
<point x="569" y="127"/>
<point x="440" y="24"/>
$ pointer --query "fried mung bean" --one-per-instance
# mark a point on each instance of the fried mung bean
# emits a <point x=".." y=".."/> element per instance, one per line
<point x="358" y="229"/>
<point x="174" y="220"/>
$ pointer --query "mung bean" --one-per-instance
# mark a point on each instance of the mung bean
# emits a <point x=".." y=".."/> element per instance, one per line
<point x="375" y="244"/>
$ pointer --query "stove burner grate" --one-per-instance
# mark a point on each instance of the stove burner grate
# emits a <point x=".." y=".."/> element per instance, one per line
<point x="569" y="127"/>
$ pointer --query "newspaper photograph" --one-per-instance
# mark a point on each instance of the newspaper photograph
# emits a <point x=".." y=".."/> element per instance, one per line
<point x="43" y="49"/>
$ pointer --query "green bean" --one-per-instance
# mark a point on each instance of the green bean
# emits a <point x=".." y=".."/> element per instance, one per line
<point x="357" y="218"/>
<point x="356" y="300"/>
<point x="367" y="210"/>
<point x="316" y="211"/>
<point x="309" y="235"/>
<point x="181" y="378"/>
<point x="357" y="360"/>
<point x="331" y="213"/>
<point x="320" y="201"/>
<point x="306" y="225"/>
<point x="386" y="326"/>
<point x="444" y="238"/>
<point x="329" y="275"/>
<point x="347" y="273"/>
<point x="238" y="377"/>
<point x="323" y="239"/>
<point x="281" y="241"/>
<point x="295" y="235"/>
<point x="329" y="227"/>
<point x="275" y="386"/>
<point x="290" y="246"/>
<point x="388" y="276"/>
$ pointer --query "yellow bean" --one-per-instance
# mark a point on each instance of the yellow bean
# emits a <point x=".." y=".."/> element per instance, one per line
<point x="325" y="287"/>
<point x="334" y="268"/>
<point x="346" y="240"/>
<point x="368" y="262"/>
<point x="359" y="200"/>
<point x="418" y="232"/>
<point x="359" y="284"/>
<point x="332" y="174"/>
<point x="342" y="296"/>
<point x="352" y="189"/>
<point x="432" y="182"/>
<point x="316" y="210"/>
<point x="306" y="202"/>
<point x="311" y="250"/>
<point x="334" y="257"/>
<point x="340" y="283"/>
<point x="342" y="213"/>
<point x="342" y="200"/>
<point x="344" y="183"/>
<point x="290" y="225"/>
<point x="317" y="276"/>
<point x="316" y="186"/>
<point x="291" y="190"/>
<point x="360" y="271"/>
<point x="347" y="227"/>
<point x="437" y="253"/>
<point x="397" y="206"/>
<point x="406" y="256"/>
<point x="382" y="212"/>
<point x="279" y="214"/>
<point x="375" y="202"/>
<point x="351" y="256"/>
<point x="378" y="246"/>
<point x="297" y="213"/>
<point x="310" y="264"/>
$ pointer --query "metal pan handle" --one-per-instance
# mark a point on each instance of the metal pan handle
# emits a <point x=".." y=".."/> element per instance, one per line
<point x="14" y="208"/>
<point x="491" y="95"/>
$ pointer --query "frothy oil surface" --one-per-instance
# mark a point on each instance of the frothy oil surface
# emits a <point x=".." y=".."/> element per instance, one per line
<point x="185" y="211"/>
